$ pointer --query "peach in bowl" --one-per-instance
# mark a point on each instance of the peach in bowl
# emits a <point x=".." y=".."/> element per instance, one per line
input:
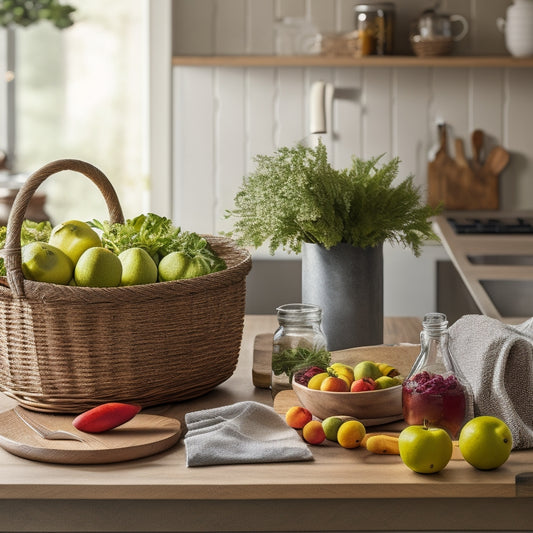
<point x="371" y="407"/>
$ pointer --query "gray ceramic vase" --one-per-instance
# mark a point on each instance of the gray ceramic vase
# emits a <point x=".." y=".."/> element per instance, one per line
<point x="347" y="283"/>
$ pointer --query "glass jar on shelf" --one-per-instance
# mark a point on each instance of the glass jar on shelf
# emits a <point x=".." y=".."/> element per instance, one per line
<point x="298" y="336"/>
<point x="374" y="24"/>
<point x="432" y="394"/>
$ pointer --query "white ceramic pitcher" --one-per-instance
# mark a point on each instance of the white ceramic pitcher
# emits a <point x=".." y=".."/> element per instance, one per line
<point x="518" y="28"/>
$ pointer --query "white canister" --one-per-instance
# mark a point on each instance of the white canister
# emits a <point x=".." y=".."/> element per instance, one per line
<point x="518" y="28"/>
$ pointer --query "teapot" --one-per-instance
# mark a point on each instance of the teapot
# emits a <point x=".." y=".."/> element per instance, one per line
<point x="518" y="28"/>
<point x="432" y="25"/>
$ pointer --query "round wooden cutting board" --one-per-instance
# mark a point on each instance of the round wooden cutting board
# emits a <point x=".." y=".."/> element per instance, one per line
<point x="142" y="436"/>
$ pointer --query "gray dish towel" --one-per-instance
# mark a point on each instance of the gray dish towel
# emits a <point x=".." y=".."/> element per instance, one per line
<point x="497" y="361"/>
<point x="244" y="432"/>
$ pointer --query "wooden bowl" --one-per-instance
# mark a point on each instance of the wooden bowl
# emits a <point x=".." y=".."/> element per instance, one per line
<point x="370" y="407"/>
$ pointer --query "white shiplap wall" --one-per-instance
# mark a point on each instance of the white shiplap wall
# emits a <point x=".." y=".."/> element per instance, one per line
<point x="223" y="117"/>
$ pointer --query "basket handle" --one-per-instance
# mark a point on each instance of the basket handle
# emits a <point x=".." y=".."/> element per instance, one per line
<point x="12" y="252"/>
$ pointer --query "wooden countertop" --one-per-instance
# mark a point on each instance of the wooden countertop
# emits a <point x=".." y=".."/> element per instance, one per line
<point x="160" y="493"/>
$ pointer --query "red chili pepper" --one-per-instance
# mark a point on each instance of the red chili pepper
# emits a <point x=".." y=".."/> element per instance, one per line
<point x="105" y="417"/>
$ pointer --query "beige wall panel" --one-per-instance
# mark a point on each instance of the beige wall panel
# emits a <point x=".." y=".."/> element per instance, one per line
<point x="194" y="126"/>
<point x="290" y="8"/>
<point x="192" y="27"/>
<point x="260" y="113"/>
<point x="486" y="110"/>
<point x="230" y="26"/>
<point x="518" y="184"/>
<point x="485" y="36"/>
<point x="290" y="107"/>
<point x="412" y="96"/>
<point x="377" y="105"/>
<point x="450" y="90"/>
<point x="345" y="15"/>
<point x="260" y="26"/>
<point x="323" y="15"/>
<point x="347" y="123"/>
<point x="229" y="140"/>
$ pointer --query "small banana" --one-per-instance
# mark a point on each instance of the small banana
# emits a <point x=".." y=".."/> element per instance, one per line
<point x="388" y="370"/>
<point x="341" y="370"/>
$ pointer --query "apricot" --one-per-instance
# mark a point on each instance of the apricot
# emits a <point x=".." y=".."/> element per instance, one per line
<point x="334" y="384"/>
<point x="297" y="417"/>
<point x="313" y="432"/>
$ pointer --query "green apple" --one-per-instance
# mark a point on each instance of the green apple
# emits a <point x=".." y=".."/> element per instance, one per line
<point x="73" y="238"/>
<point x="425" y="450"/>
<point x="331" y="427"/>
<point x="43" y="262"/>
<point x="173" y="266"/>
<point x="486" y="442"/>
<point x="366" y="369"/>
<point x="98" y="267"/>
<point x="138" y="268"/>
<point x="384" y="382"/>
<point x="177" y="265"/>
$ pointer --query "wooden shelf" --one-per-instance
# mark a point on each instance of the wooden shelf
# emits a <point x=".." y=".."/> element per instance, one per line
<point x="339" y="61"/>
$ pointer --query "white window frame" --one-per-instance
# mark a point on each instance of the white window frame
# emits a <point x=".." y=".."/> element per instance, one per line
<point x="160" y="106"/>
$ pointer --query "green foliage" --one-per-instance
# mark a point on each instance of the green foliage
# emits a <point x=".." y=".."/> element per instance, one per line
<point x="158" y="236"/>
<point x="27" y="12"/>
<point x="296" y="196"/>
<point x="291" y="360"/>
<point x="31" y="232"/>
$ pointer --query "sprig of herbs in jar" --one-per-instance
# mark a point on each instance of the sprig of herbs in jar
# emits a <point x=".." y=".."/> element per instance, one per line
<point x="290" y="360"/>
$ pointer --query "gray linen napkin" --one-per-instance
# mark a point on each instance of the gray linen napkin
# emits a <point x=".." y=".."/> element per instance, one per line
<point x="244" y="432"/>
<point x="497" y="361"/>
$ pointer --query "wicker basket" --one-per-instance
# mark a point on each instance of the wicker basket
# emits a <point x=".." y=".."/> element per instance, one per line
<point x="67" y="349"/>
<point x="431" y="47"/>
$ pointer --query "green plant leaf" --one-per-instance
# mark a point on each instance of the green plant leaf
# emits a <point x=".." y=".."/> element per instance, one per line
<point x="296" y="196"/>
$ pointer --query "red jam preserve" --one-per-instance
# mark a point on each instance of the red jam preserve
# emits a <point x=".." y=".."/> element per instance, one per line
<point x="434" y="400"/>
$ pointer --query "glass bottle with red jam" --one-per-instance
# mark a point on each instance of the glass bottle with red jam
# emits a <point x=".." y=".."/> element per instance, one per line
<point x="432" y="394"/>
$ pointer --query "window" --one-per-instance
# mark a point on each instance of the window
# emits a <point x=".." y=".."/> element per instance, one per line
<point x="82" y="93"/>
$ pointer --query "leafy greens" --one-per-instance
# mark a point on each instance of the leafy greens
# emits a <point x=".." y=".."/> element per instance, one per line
<point x="158" y="236"/>
<point x="296" y="196"/>
<point x="31" y="232"/>
<point x="290" y="360"/>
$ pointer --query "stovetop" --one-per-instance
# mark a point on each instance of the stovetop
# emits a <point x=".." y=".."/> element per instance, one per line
<point x="505" y="226"/>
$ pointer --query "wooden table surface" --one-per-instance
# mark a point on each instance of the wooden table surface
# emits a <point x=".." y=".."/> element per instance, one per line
<point x="340" y="490"/>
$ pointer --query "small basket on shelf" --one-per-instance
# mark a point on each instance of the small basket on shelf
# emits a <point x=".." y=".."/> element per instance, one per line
<point x="67" y="349"/>
<point x="431" y="47"/>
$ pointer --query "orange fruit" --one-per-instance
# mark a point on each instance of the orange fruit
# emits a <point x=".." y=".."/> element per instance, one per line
<point x="297" y="417"/>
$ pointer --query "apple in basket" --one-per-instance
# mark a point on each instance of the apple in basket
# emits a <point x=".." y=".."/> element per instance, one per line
<point x="73" y="238"/>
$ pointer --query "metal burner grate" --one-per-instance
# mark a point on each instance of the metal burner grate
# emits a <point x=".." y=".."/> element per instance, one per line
<point x="491" y="225"/>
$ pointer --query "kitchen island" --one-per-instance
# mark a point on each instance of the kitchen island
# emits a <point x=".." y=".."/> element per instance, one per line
<point x="340" y="490"/>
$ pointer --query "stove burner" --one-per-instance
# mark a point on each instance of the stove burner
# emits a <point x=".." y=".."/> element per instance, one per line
<point x="492" y="225"/>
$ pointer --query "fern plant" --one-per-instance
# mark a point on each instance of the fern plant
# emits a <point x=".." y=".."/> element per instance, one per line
<point x="296" y="196"/>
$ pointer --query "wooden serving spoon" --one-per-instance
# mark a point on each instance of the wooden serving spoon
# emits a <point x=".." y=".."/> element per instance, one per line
<point x="497" y="160"/>
<point x="478" y="138"/>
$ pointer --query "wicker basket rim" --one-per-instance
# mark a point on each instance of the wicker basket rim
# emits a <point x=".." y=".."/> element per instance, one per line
<point x="239" y="265"/>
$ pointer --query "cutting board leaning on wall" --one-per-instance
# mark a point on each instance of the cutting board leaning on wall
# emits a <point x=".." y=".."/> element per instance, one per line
<point x="459" y="184"/>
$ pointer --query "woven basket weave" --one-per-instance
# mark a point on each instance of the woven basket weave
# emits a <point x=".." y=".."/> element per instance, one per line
<point x="67" y="349"/>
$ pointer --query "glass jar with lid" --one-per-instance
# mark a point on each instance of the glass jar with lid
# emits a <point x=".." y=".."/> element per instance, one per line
<point x="374" y="24"/>
<point x="298" y="336"/>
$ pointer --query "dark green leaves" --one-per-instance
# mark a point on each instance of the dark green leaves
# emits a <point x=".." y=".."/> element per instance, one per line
<point x="27" y="12"/>
<point x="293" y="359"/>
<point x="296" y="196"/>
